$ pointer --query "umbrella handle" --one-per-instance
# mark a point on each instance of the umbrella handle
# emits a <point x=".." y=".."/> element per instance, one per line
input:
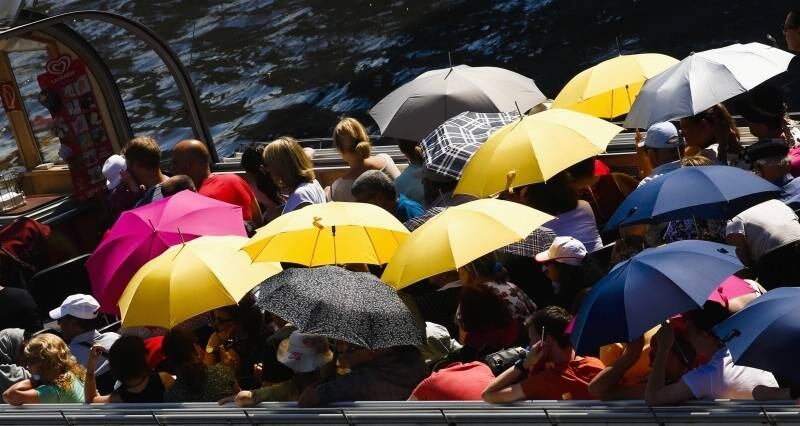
<point x="732" y="335"/>
<point x="509" y="180"/>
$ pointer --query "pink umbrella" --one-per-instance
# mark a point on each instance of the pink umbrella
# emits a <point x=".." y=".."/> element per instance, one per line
<point x="141" y="234"/>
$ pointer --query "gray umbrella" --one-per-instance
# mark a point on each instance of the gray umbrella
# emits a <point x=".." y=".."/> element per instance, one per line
<point x="330" y="301"/>
<point x="413" y="110"/>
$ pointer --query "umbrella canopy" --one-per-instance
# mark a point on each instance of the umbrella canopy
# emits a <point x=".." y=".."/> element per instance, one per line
<point x="649" y="288"/>
<point x="534" y="150"/>
<point x="413" y="110"/>
<point x="708" y="192"/>
<point x="703" y="80"/>
<point x="448" y="148"/>
<point x="608" y="89"/>
<point x="329" y="234"/>
<point x="189" y="279"/>
<point x="764" y="334"/>
<point x="333" y="302"/>
<point x="458" y="236"/>
<point x="143" y="233"/>
<point x="538" y="241"/>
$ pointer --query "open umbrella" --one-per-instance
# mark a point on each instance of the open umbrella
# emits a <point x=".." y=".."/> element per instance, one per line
<point x="708" y="192"/>
<point x="189" y="279"/>
<point x="448" y="148"/>
<point x="533" y="150"/>
<point x="608" y="89"/>
<point x="649" y="288"/>
<point x="703" y="80"/>
<point x="764" y="334"/>
<point x="329" y="234"/>
<point x="145" y="232"/>
<point x="333" y="302"/>
<point x="538" y="241"/>
<point x="458" y="236"/>
<point x="413" y="110"/>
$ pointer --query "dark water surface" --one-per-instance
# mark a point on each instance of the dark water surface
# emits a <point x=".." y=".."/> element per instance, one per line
<point x="270" y="67"/>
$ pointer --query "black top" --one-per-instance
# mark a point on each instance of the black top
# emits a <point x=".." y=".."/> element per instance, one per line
<point x="18" y="310"/>
<point x="153" y="391"/>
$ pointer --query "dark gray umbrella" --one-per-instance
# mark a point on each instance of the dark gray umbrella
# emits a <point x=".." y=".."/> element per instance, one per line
<point x="330" y="301"/>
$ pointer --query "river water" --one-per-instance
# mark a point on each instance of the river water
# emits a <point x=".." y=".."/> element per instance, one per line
<point x="265" y="68"/>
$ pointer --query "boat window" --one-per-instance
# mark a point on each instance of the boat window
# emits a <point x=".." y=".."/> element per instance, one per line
<point x="10" y="160"/>
<point x="27" y="66"/>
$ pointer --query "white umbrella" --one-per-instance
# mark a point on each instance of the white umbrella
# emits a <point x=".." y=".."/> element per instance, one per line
<point x="703" y="80"/>
<point x="415" y="109"/>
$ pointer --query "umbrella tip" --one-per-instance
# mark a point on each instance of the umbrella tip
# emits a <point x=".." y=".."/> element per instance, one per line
<point x="510" y="180"/>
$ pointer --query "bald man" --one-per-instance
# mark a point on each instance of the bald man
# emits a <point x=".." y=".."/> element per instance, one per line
<point x="191" y="158"/>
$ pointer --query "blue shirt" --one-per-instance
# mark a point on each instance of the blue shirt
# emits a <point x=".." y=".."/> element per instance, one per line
<point x="407" y="208"/>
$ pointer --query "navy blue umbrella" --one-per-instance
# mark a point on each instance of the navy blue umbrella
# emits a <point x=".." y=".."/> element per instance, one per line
<point x="648" y="289"/>
<point x="707" y="192"/>
<point x="765" y="333"/>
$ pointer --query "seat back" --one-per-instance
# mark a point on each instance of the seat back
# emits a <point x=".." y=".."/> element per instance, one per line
<point x="49" y="287"/>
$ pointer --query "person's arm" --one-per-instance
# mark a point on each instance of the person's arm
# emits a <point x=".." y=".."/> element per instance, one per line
<point x="505" y="387"/>
<point x="23" y="392"/>
<point x="607" y="381"/>
<point x="768" y="393"/>
<point x="656" y="392"/>
<point x="242" y="399"/>
<point x="256" y="218"/>
<point x="90" y="393"/>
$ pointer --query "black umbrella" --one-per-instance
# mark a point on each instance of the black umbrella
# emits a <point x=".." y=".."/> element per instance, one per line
<point x="330" y="301"/>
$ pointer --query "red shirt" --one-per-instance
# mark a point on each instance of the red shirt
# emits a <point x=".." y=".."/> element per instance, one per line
<point x="567" y="381"/>
<point x="458" y="382"/>
<point x="230" y="189"/>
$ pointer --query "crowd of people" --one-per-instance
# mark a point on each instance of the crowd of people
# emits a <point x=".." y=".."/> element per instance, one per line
<point x="497" y="329"/>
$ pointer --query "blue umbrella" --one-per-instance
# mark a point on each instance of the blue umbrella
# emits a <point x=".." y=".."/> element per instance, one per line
<point x="765" y="333"/>
<point x="707" y="192"/>
<point x="648" y="289"/>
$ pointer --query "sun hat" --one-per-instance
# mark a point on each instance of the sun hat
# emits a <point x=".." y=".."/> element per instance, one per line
<point x="301" y="352"/>
<point x="80" y="306"/>
<point x="112" y="169"/>
<point x="565" y="250"/>
<point x="662" y="135"/>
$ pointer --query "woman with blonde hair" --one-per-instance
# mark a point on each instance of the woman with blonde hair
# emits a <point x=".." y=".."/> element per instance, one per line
<point x="291" y="169"/>
<point x="351" y="140"/>
<point x="56" y="376"/>
<point x="712" y="134"/>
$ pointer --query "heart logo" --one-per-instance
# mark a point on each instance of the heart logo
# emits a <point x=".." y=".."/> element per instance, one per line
<point x="9" y="96"/>
<point x="58" y="66"/>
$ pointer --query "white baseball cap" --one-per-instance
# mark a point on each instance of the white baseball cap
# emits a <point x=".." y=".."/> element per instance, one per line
<point x="112" y="170"/>
<point x="301" y="352"/>
<point x="566" y="250"/>
<point x="80" y="306"/>
<point x="662" y="135"/>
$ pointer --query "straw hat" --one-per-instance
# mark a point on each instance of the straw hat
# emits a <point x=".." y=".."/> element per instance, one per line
<point x="302" y="352"/>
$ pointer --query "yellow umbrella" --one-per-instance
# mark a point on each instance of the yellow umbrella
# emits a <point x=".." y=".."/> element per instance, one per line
<point x="189" y="279"/>
<point x="608" y="89"/>
<point x="329" y="234"/>
<point x="458" y="236"/>
<point x="534" y="150"/>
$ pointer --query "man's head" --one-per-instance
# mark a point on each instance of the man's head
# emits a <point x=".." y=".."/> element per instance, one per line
<point x="191" y="157"/>
<point x="662" y="143"/>
<point x="176" y="184"/>
<point x="143" y="158"/>
<point x="128" y="359"/>
<point x="76" y="315"/>
<point x="549" y="326"/>
<point x="791" y="30"/>
<point x="764" y="109"/>
<point x="435" y="185"/>
<point x="374" y="187"/>
<point x="700" y="324"/>
<point x="769" y="159"/>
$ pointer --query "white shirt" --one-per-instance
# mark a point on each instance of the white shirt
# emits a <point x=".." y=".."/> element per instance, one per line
<point x="82" y="343"/>
<point x="306" y="192"/>
<point x="580" y="224"/>
<point x="720" y="378"/>
<point x="765" y="226"/>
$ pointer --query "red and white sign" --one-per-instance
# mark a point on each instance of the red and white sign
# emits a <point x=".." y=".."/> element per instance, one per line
<point x="8" y="94"/>
<point x="67" y="94"/>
